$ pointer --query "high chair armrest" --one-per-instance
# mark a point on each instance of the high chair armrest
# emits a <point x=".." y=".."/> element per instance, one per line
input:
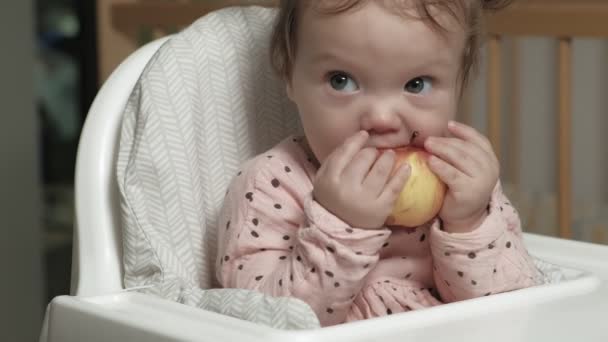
<point x="135" y="317"/>
<point x="570" y="310"/>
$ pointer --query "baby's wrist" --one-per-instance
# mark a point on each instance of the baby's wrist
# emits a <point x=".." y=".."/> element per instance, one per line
<point x="466" y="225"/>
<point x="351" y="217"/>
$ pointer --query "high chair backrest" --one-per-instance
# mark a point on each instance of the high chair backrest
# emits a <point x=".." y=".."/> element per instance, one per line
<point x="207" y="102"/>
<point x="164" y="138"/>
<point x="97" y="250"/>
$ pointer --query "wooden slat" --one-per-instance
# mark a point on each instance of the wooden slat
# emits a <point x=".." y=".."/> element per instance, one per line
<point x="564" y="137"/>
<point x="514" y="116"/>
<point x="494" y="92"/>
<point x="557" y="18"/>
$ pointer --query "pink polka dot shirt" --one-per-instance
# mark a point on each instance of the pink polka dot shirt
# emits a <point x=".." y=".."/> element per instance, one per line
<point x="275" y="238"/>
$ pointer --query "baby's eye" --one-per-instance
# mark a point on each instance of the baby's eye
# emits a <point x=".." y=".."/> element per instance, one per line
<point x="342" y="82"/>
<point x="419" y="85"/>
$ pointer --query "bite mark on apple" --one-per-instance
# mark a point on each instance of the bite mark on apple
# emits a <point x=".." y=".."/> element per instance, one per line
<point x="414" y="136"/>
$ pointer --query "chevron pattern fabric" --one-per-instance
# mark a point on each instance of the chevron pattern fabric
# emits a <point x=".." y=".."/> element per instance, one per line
<point x="205" y="103"/>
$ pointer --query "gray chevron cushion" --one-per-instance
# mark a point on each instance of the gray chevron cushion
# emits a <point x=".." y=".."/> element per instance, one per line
<point x="205" y="103"/>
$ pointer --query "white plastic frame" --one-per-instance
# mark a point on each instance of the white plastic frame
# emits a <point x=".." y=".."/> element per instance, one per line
<point x="97" y="251"/>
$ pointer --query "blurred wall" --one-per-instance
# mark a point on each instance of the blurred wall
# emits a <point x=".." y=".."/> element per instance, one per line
<point x="20" y="230"/>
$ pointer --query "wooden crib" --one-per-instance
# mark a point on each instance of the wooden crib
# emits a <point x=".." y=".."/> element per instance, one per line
<point x="562" y="20"/>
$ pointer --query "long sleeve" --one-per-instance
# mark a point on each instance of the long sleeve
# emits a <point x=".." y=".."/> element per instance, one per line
<point x="274" y="238"/>
<point x="491" y="259"/>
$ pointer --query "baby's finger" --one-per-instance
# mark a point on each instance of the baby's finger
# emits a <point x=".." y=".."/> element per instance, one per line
<point x="450" y="175"/>
<point x="341" y="156"/>
<point x="393" y="188"/>
<point x="470" y="134"/>
<point x="380" y="172"/>
<point x="356" y="171"/>
<point x="460" y="154"/>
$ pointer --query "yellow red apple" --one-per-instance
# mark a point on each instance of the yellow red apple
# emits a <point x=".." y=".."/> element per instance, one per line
<point x="423" y="193"/>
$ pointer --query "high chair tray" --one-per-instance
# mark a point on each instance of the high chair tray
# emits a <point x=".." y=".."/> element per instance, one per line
<point x="573" y="310"/>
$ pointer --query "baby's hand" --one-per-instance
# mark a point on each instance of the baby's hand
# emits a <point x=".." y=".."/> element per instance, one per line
<point x="357" y="186"/>
<point x="468" y="165"/>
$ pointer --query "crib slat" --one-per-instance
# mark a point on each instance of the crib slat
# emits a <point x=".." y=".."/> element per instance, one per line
<point x="565" y="137"/>
<point x="494" y="91"/>
<point x="514" y="116"/>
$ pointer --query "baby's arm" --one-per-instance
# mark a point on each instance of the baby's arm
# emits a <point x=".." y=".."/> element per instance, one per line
<point x="274" y="238"/>
<point x="488" y="260"/>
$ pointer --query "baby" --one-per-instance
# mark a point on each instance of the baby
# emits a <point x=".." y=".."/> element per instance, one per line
<point x="307" y="218"/>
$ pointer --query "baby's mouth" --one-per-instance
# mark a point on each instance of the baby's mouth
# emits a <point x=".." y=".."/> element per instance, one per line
<point x="388" y="146"/>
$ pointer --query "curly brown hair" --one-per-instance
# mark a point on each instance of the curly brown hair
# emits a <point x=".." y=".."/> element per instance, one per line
<point x="467" y="12"/>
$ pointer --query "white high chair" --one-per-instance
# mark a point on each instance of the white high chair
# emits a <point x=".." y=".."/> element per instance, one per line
<point x="100" y="309"/>
<point x="97" y="255"/>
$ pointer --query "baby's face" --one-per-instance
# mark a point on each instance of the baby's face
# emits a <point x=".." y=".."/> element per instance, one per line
<point x="369" y="69"/>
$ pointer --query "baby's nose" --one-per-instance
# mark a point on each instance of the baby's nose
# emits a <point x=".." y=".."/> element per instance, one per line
<point x="381" y="122"/>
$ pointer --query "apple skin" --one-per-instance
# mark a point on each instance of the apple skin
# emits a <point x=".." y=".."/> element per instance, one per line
<point x="423" y="193"/>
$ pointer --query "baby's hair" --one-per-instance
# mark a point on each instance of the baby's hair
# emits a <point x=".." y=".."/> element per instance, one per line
<point x="467" y="12"/>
